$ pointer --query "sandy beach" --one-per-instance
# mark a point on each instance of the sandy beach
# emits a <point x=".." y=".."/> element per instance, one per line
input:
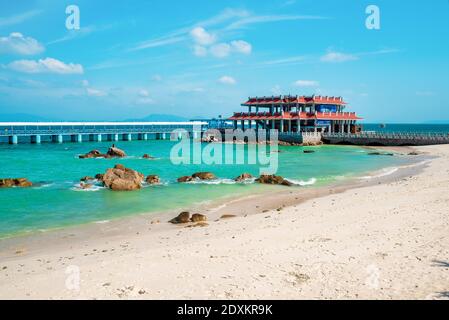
<point x="379" y="238"/>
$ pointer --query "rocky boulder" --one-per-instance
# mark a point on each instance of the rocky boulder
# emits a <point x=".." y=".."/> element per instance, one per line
<point x="99" y="176"/>
<point x="309" y="151"/>
<point x="185" y="179"/>
<point x="147" y="156"/>
<point x="197" y="217"/>
<point x="183" y="217"/>
<point x="120" y="178"/>
<point x="92" y="154"/>
<point x="153" y="179"/>
<point x="15" y="182"/>
<point x="87" y="178"/>
<point x="243" y="177"/>
<point x="116" y="152"/>
<point x="273" y="179"/>
<point x="204" y="176"/>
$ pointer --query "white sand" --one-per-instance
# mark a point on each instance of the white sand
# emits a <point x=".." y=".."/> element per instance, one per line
<point x="385" y="241"/>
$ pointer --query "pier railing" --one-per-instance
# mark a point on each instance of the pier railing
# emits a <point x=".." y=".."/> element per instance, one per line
<point x="388" y="138"/>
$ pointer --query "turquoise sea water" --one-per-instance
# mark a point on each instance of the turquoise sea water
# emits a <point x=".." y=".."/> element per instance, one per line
<point x="56" y="201"/>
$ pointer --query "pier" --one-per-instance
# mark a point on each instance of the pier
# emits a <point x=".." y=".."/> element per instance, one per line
<point x="386" y="138"/>
<point x="60" y="132"/>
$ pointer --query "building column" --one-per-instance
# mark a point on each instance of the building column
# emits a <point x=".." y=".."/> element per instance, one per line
<point x="243" y="124"/>
<point x="13" y="139"/>
<point x="99" y="137"/>
<point x="36" y="139"/>
<point x="163" y="136"/>
<point x="127" y="137"/>
<point x="281" y="126"/>
<point x="289" y="126"/>
<point x="235" y="124"/>
<point x="298" y="123"/>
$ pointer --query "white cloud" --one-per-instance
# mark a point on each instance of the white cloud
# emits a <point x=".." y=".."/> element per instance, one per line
<point x="241" y="46"/>
<point x="199" y="51"/>
<point x="276" y="90"/>
<point x="19" y="18"/>
<point x="146" y="100"/>
<point x="156" y="77"/>
<point x="47" y="65"/>
<point x="16" y="43"/>
<point x="95" y="92"/>
<point x="202" y="37"/>
<point x="306" y="83"/>
<point x="144" y="93"/>
<point x="335" y="57"/>
<point x="268" y="18"/>
<point x="85" y="83"/>
<point x="220" y="50"/>
<point x="227" y="80"/>
<point x="425" y="93"/>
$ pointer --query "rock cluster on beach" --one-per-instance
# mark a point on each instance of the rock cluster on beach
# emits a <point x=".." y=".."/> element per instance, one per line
<point x="273" y="179"/>
<point x="113" y="152"/>
<point x="15" y="182"/>
<point x="243" y="177"/>
<point x="199" y="176"/>
<point x="153" y="179"/>
<point x="184" y="217"/>
<point x="120" y="178"/>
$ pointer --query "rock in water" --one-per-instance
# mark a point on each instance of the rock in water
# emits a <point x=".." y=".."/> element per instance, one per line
<point x="153" y="179"/>
<point x="273" y="179"/>
<point x="15" y="182"/>
<point x="204" y="175"/>
<point x="185" y="179"/>
<point x="86" y="178"/>
<point x="120" y="178"/>
<point x="99" y="176"/>
<point x="183" y="217"/>
<point x="92" y="154"/>
<point x="147" y="156"/>
<point x="197" y="217"/>
<point x="243" y="176"/>
<point x="116" y="152"/>
<point x="309" y="151"/>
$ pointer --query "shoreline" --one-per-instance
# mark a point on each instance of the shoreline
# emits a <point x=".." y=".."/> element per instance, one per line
<point x="271" y="198"/>
<point x="132" y="258"/>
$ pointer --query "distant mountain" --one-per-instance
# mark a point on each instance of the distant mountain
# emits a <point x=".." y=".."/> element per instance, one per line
<point x="20" y="117"/>
<point x="160" y="117"/>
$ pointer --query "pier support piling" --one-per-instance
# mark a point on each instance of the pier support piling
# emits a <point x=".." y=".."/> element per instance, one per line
<point x="36" y="139"/>
<point x="13" y="139"/>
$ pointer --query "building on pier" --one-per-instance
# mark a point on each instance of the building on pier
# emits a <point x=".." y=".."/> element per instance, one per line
<point x="37" y="132"/>
<point x="297" y="114"/>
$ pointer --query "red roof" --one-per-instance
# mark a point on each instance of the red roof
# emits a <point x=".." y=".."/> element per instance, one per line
<point x="295" y="115"/>
<point x="256" y="101"/>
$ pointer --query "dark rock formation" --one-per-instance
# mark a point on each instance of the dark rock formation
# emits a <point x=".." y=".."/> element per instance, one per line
<point x="183" y="217"/>
<point x="153" y="179"/>
<point x="15" y="182"/>
<point x="197" y="217"/>
<point x="242" y="177"/>
<point x="273" y="179"/>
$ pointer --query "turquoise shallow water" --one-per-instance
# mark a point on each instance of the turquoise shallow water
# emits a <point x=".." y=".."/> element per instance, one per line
<point x="56" y="201"/>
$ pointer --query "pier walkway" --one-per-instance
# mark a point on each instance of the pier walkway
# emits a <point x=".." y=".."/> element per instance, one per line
<point x="59" y="132"/>
<point x="386" y="138"/>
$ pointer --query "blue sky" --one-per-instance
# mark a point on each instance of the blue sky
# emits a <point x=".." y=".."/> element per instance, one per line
<point x="203" y="58"/>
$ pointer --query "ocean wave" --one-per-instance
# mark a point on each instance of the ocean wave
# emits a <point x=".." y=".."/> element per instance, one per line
<point x="302" y="183"/>
<point x="93" y="188"/>
<point x="381" y="173"/>
<point x="214" y="181"/>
